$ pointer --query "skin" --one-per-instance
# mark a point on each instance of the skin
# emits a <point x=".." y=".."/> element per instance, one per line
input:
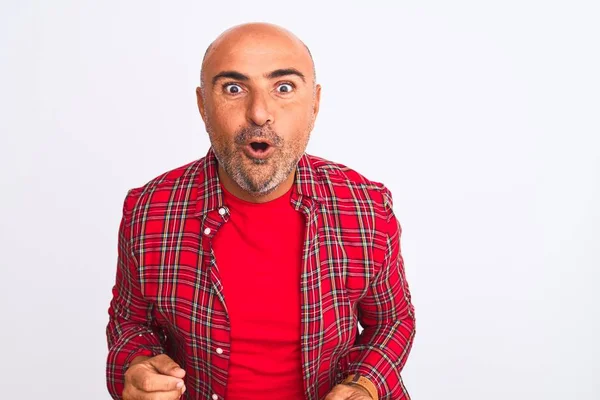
<point x="348" y="392"/>
<point x="156" y="378"/>
<point x="272" y="96"/>
<point x="261" y="102"/>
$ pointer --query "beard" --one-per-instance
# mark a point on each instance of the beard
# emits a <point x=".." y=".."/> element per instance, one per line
<point x="256" y="176"/>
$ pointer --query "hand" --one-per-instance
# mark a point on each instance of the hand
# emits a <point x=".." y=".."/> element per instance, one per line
<point x="348" y="392"/>
<point x="156" y="378"/>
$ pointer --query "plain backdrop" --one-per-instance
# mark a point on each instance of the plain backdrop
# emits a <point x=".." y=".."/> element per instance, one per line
<point x="482" y="117"/>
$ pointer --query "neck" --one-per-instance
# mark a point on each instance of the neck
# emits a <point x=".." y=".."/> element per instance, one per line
<point x="235" y="189"/>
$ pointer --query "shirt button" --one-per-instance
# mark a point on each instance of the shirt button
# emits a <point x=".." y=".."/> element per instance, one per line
<point x="207" y="231"/>
<point x="215" y="397"/>
<point x="222" y="211"/>
<point x="219" y="350"/>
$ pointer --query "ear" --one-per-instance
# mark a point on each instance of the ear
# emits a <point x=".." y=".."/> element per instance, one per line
<point x="317" y="100"/>
<point x="200" y="101"/>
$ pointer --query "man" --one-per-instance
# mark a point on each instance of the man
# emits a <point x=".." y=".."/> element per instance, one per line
<point x="244" y="275"/>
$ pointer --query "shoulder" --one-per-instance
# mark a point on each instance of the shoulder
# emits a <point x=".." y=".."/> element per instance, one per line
<point x="161" y="188"/>
<point x="340" y="182"/>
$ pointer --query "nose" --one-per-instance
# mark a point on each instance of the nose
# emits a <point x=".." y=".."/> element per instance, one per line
<point x="259" y="110"/>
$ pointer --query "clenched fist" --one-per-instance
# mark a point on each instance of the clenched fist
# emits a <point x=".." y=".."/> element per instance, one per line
<point x="156" y="378"/>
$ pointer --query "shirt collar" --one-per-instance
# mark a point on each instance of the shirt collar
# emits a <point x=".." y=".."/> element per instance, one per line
<point x="307" y="182"/>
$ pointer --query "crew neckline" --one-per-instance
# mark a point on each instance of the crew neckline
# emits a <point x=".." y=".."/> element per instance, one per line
<point x="281" y="200"/>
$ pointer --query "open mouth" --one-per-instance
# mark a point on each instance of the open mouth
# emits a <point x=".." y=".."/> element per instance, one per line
<point x="259" y="146"/>
<point x="259" y="150"/>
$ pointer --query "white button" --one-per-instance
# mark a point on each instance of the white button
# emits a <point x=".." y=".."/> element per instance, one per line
<point x="222" y="211"/>
<point x="215" y="397"/>
<point x="219" y="350"/>
<point x="207" y="231"/>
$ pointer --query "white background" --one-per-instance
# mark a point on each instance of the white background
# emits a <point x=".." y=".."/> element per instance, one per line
<point x="482" y="117"/>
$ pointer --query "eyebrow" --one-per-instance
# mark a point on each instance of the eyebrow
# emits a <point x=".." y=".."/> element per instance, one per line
<point x="238" y="76"/>
<point x="278" y="73"/>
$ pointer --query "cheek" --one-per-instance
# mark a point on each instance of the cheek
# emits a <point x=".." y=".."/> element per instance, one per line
<point x="298" y="116"/>
<point x="226" y="118"/>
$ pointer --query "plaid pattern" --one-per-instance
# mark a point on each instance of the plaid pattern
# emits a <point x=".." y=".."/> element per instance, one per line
<point x="168" y="296"/>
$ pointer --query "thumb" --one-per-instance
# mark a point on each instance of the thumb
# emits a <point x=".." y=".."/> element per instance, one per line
<point x="166" y="366"/>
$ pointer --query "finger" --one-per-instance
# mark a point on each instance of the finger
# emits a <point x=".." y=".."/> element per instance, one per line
<point x="334" y="395"/>
<point x="346" y="392"/>
<point x="149" y="382"/>
<point x="165" y="365"/>
<point x="169" y="395"/>
<point x="172" y="395"/>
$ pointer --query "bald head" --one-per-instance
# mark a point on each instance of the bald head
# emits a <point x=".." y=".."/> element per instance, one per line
<point x="259" y="102"/>
<point x="271" y="37"/>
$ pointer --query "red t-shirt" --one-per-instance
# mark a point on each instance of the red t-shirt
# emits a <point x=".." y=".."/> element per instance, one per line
<point x="259" y="256"/>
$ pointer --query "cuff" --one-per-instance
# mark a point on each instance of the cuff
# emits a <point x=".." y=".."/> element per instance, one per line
<point x="148" y="349"/>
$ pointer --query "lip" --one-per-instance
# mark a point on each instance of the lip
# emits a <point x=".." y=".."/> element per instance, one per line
<point x="260" y="155"/>
<point x="259" y="140"/>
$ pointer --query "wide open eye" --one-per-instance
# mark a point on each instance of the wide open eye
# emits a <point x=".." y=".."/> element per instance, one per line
<point x="232" y="88"/>
<point x="285" y="88"/>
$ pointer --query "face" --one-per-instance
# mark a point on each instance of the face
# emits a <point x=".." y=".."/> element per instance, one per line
<point x="259" y="103"/>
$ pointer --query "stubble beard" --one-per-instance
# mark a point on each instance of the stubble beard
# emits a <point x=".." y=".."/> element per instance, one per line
<point x="258" y="177"/>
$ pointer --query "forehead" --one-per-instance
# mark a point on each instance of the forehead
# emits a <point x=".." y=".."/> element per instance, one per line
<point x="255" y="55"/>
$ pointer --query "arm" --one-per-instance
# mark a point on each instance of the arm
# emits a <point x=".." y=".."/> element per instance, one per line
<point x="387" y="316"/>
<point x="128" y="332"/>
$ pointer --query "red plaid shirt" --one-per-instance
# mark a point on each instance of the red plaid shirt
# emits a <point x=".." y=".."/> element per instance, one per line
<point x="168" y="296"/>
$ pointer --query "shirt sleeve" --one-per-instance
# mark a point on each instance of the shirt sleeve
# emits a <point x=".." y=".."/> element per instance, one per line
<point x="387" y="316"/>
<point x="129" y="333"/>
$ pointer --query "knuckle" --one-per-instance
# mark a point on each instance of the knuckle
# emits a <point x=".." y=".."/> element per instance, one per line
<point x="146" y="383"/>
<point x="129" y="372"/>
<point x="170" y="365"/>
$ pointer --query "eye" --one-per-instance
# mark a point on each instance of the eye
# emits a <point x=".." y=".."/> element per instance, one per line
<point x="285" y="88"/>
<point x="232" y="88"/>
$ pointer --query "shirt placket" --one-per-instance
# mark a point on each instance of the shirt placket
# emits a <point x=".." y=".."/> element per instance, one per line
<point x="218" y="354"/>
<point x="311" y="305"/>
